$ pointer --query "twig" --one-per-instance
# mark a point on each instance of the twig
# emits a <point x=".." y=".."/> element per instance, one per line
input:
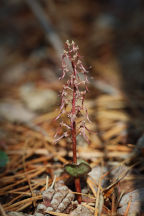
<point x="97" y="199"/>
<point x="98" y="205"/>
<point x="91" y="185"/>
<point x="23" y="202"/>
<point x="113" y="208"/>
<point x="28" y="180"/>
<point x="127" y="209"/>
<point x="2" y="210"/>
<point x="46" y="23"/>
<point x="53" y="183"/>
<point x="47" y="180"/>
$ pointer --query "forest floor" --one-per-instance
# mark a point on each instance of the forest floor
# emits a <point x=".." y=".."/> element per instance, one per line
<point x="111" y="44"/>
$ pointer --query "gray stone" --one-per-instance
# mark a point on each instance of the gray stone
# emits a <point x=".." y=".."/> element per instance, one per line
<point x="15" y="112"/>
<point x="81" y="211"/>
<point x="38" y="99"/>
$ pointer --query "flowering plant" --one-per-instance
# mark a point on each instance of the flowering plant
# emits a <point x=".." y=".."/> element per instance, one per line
<point x="72" y="104"/>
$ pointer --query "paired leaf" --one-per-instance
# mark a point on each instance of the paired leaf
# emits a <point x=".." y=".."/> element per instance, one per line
<point x="3" y="159"/>
<point x="77" y="170"/>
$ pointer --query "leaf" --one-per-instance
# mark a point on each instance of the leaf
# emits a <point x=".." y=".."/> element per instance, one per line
<point x="77" y="170"/>
<point x="3" y="159"/>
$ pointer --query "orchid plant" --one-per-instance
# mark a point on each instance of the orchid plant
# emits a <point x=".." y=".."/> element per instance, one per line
<point x="72" y="106"/>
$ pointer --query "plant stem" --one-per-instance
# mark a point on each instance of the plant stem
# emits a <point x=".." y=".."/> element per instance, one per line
<point x="74" y="142"/>
<point x="73" y="128"/>
<point x="78" y="190"/>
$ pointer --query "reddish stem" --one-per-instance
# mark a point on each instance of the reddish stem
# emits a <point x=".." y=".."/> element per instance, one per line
<point x="73" y="122"/>
<point x="73" y="128"/>
<point x="74" y="141"/>
<point x="78" y="190"/>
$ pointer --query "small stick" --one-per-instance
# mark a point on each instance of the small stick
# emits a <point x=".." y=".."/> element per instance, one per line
<point x="113" y="209"/>
<point x="46" y="24"/>
<point x="28" y="180"/>
<point x="47" y="180"/>
<point x="127" y="209"/>
<point x="2" y="210"/>
<point x="53" y="183"/>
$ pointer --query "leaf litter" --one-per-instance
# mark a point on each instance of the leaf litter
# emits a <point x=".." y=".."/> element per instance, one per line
<point x="115" y="152"/>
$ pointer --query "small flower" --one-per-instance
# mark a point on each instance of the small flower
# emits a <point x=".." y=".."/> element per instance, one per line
<point x="74" y="82"/>
<point x="64" y="135"/>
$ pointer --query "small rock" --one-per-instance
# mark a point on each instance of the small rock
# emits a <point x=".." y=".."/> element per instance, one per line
<point x="48" y="75"/>
<point x="114" y="175"/>
<point x="139" y="148"/>
<point x="15" y="74"/>
<point x="103" y="28"/>
<point x="15" y="112"/>
<point x="38" y="99"/>
<point x="96" y="173"/>
<point x="106" y="21"/>
<point x="38" y="214"/>
<point x="140" y="143"/>
<point x="81" y="211"/>
<point x="134" y="209"/>
<point x="136" y="198"/>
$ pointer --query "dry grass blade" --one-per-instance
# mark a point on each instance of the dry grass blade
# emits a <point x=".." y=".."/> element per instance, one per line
<point x="6" y="188"/>
<point x="12" y="201"/>
<point x="89" y="207"/>
<point x="29" y="183"/>
<point x="113" y="209"/>
<point x="91" y="185"/>
<point x="22" y="202"/>
<point x="46" y="24"/>
<point x="2" y="210"/>
<point x="127" y="209"/>
<point x="99" y="200"/>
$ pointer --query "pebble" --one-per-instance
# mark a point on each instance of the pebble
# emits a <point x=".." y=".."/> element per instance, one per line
<point x="14" y="111"/>
<point x="38" y="100"/>
<point x="81" y="211"/>
<point x="18" y="214"/>
<point x="136" y="199"/>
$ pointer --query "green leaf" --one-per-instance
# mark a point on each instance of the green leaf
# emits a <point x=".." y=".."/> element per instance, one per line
<point x="77" y="170"/>
<point x="3" y="159"/>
